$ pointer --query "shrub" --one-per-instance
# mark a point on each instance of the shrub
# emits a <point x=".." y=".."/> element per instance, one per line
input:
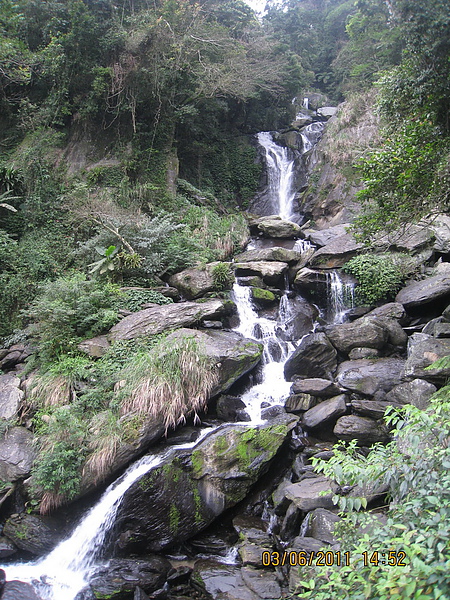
<point x="170" y="382"/>
<point x="222" y="276"/>
<point x="134" y="299"/>
<point x="70" y="309"/>
<point x="378" y="276"/>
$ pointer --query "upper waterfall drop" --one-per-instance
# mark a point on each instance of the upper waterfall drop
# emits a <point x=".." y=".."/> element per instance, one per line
<point x="280" y="174"/>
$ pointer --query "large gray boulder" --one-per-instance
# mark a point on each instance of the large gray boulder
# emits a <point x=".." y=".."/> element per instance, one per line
<point x="416" y="392"/>
<point x="314" y="357"/>
<point x="323" y="237"/>
<point x="373" y="409"/>
<point x="157" y="319"/>
<point x="440" y="226"/>
<point x="427" y="290"/>
<point x="324" y="388"/>
<point x="368" y="376"/>
<point x="325" y="413"/>
<point x="33" y="533"/>
<point x="366" y="431"/>
<point x="233" y="356"/>
<point x="10" y="396"/>
<point x="193" y="487"/>
<point x="275" y="227"/>
<point x="336" y="253"/>
<point x="271" y="272"/>
<point x="312" y="493"/>
<point x="424" y="350"/>
<point x="367" y="332"/>
<point x="195" y="282"/>
<point x="19" y="590"/>
<point x="17" y="454"/>
<point x="276" y="253"/>
<point x="298" y="319"/>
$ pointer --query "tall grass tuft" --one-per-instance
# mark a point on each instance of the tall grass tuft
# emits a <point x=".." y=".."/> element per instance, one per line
<point x="173" y="381"/>
<point x="105" y="438"/>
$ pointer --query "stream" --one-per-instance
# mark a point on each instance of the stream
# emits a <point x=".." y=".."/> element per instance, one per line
<point x="66" y="570"/>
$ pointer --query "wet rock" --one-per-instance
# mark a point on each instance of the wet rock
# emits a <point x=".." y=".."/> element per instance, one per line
<point x="311" y="493"/>
<point x="321" y="524"/>
<point x="192" y="487"/>
<point x="275" y="227"/>
<point x="230" y="409"/>
<point x="140" y="594"/>
<point x="251" y="281"/>
<point x="261" y="583"/>
<point x="291" y="522"/>
<point x="276" y="253"/>
<point x="417" y="392"/>
<point x="17" y="454"/>
<point x="120" y="579"/>
<point x="323" y="388"/>
<point x="95" y="347"/>
<point x="424" y="350"/>
<point x="169" y="316"/>
<point x="391" y="310"/>
<point x="325" y="413"/>
<point x="33" y="533"/>
<point x="306" y="544"/>
<point x="427" y="290"/>
<point x="372" y="408"/>
<point x="312" y="283"/>
<point x="10" y="396"/>
<point x="19" y="590"/>
<point x="271" y="412"/>
<point x="299" y="403"/>
<point x="365" y="332"/>
<point x="366" y="431"/>
<point x="7" y="548"/>
<point x="336" y="253"/>
<point x="270" y="272"/>
<point x="262" y="297"/>
<point x="368" y="376"/>
<point x="299" y="318"/>
<point x="314" y="357"/>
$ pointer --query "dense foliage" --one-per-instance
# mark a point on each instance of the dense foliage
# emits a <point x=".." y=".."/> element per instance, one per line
<point x="414" y="467"/>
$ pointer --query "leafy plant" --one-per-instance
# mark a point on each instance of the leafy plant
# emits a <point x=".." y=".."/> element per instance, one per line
<point x="379" y="277"/>
<point x="222" y="276"/>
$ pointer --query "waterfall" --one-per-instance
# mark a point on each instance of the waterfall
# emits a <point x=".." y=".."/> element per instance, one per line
<point x="341" y="296"/>
<point x="280" y="174"/>
<point x="274" y="388"/>
<point x="66" y="569"/>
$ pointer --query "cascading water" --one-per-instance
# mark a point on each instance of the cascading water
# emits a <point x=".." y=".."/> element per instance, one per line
<point x="310" y="135"/>
<point x="280" y="174"/>
<point x="341" y="295"/>
<point x="65" y="571"/>
<point x="273" y="388"/>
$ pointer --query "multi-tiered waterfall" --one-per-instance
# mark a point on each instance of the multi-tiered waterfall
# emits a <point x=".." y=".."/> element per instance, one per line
<point x="66" y="570"/>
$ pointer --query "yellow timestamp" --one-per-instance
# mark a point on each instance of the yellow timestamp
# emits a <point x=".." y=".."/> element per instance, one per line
<point x="330" y="558"/>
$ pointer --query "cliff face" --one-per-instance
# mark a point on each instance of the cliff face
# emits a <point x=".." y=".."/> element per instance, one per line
<point x="329" y="197"/>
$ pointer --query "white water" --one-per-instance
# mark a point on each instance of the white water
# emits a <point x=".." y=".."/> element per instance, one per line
<point x="66" y="569"/>
<point x="280" y="174"/>
<point x="341" y="297"/>
<point x="273" y="389"/>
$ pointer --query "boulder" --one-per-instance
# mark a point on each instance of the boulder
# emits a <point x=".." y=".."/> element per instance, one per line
<point x="323" y="388"/>
<point x="270" y="271"/>
<point x="312" y="283"/>
<point x="314" y="357"/>
<point x="95" y="347"/>
<point x="325" y="412"/>
<point x="231" y="409"/>
<point x="336" y="253"/>
<point x="195" y="282"/>
<point x="391" y="310"/>
<point x="440" y="227"/>
<point x="365" y="431"/>
<point x="367" y="332"/>
<point x="262" y="297"/>
<point x="417" y="392"/>
<point x="320" y="525"/>
<point x="193" y="487"/>
<point x="17" y="454"/>
<point x="306" y="544"/>
<point x="10" y="396"/>
<point x="358" y="353"/>
<point x="230" y="582"/>
<point x="368" y="376"/>
<point x="374" y="409"/>
<point x="152" y="321"/>
<point x="121" y="577"/>
<point x="410" y="239"/>
<point x="275" y="227"/>
<point x="312" y="493"/>
<point x="276" y="253"/>
<point x="7" y="548"/>
<point x="424" y="350"/>
<point x="327" y="111"/>
<point x="299" y="403"/>
<point x="19" y="590"/>
<point x="33" y="533"/>
<point x="323" y="237"/>
<point x="428" y="290"/>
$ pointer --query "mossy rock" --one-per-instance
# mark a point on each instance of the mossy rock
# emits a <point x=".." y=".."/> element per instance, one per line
<point x="262" y="297"/>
